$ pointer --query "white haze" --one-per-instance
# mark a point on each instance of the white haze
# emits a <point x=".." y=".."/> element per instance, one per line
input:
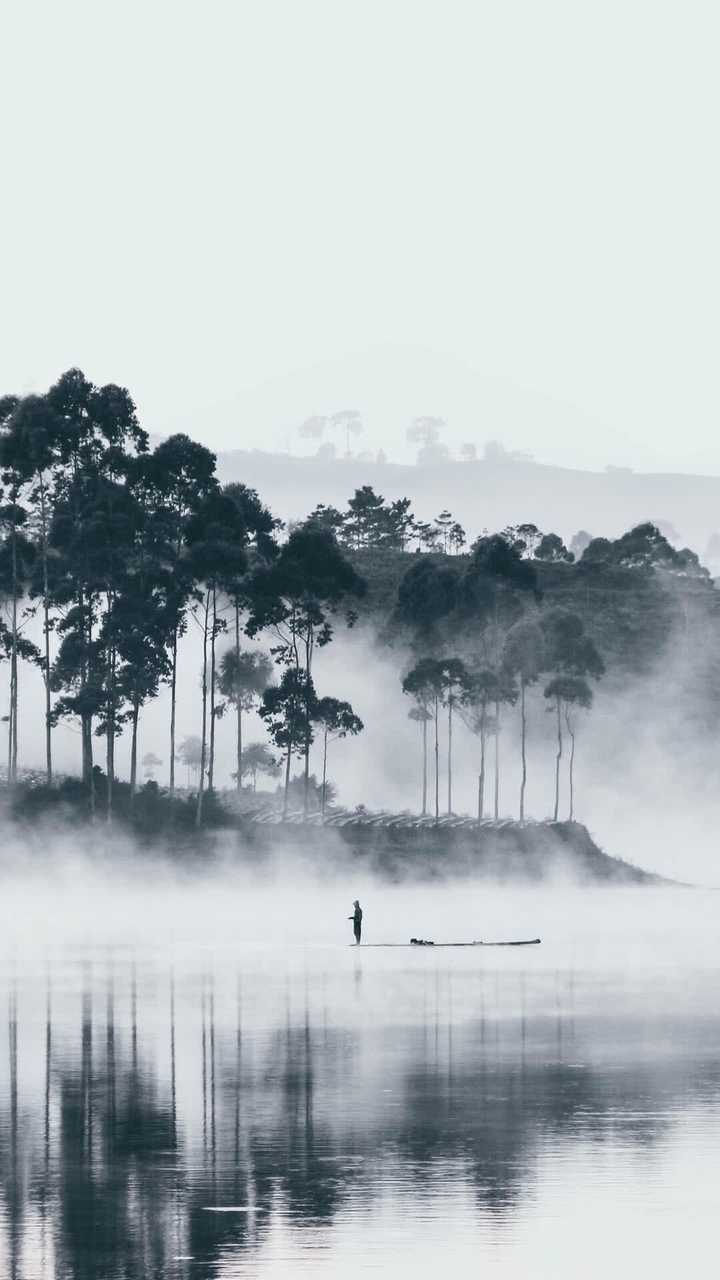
<point x="210" y="199"/>
<point x="645" y="784"/>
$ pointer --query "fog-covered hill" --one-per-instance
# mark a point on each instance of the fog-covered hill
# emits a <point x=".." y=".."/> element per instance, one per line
<point x="488" y="494"/>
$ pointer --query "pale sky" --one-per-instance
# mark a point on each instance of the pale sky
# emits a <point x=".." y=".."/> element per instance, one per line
<point x="505" y="213"/>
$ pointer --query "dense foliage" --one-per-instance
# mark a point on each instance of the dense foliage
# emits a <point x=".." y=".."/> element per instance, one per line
<point x="116" y="548"/>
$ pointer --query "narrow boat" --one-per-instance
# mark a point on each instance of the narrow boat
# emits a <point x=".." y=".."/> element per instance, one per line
<point x="425" y="942"/>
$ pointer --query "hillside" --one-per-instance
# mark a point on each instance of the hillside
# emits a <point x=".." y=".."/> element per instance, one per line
<point x="490" y="495"/>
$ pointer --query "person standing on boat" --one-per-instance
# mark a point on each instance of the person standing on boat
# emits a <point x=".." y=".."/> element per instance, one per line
<point x="356" y="918"/>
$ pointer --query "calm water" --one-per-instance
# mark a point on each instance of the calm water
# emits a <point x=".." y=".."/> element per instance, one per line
<point x="205" y="1107"/>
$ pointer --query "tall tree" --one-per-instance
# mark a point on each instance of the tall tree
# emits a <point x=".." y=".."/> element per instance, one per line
<point x="426" y="683"/>
<point x="570" y="653"/>
<point x="289" y="709"/>
<point x="477" y="715"/>
<point x="244" y="675"/>
<point x="16" y="563"/>
<point x="524" y="657"/>
<point x="566" y="692"/>
<point x="336" y="719"/>
<point x="29" y="451"/>
<point x="179" y="477"/>
<point x="421" y="714"/>
<point x="98" y="431"/>
<point x="257" y="758"/>
<point x="216" y="539"/>
<point x="455" y="681"/>
<point x="296" y="597"/>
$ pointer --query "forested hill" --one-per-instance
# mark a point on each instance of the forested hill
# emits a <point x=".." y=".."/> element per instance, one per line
<point x="491" y="494"/>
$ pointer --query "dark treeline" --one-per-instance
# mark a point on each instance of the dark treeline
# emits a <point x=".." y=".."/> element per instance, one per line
<point x="118" y="549"/>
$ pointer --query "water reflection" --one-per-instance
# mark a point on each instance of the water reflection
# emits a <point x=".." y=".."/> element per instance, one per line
<point x="160" y="1124"/>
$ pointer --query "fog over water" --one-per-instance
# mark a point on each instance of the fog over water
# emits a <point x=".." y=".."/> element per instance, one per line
<point x="202" y="1078"/>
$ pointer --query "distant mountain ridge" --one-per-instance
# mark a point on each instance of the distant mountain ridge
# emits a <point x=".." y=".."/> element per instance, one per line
<point x="490" y="494"/>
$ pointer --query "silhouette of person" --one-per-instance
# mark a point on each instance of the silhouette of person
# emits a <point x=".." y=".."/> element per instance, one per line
<point x="356" y="918"/>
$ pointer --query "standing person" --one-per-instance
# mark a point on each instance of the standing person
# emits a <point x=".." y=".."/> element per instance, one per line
<point x="356" y="918"/>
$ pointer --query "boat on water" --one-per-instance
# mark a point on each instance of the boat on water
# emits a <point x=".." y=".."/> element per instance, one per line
<point x="426" y="942"/>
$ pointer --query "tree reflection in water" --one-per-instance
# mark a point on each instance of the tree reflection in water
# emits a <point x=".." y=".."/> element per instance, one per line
<point x="129" y="1133"/>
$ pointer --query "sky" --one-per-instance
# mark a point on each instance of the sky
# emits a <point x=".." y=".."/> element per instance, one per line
<point x="504" y="214"/>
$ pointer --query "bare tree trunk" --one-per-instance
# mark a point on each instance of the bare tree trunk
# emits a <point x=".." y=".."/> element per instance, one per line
<point x="203" y="747"/>
<point x="46" y="632"/>
<point x="481" y="777"/>
<point x="558" y="758"/>
<point x="133" y="749"/>
<point x="110" y="717"/>
<point x="239" y="701"/>
<point x="450" y="729"/>
<point x="211" y="765"/>
<point x="173" y="689"/>
<point x="88" y="719"/>
<point x="437" y="766"/>
<point x="497" y="761"/>
<point x="572" y="764"/>
<point x="287" y="779"/>
<point x="308" y="662"/>
<point x="425" y="770"/>
<point x="324" y="784"/>
<point x="523" y="733"/>
<point x="12" y="719"/>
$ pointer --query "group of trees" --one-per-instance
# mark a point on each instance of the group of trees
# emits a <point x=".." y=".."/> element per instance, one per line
<point x="484" y="636"/>
<point x="110" y="553"/>
<point x="122" y="549"/>
<point x="372" y="522"/>
<point x="479" y="689"/>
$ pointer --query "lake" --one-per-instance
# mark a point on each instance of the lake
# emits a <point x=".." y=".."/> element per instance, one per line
<point x="207" y="1081"/>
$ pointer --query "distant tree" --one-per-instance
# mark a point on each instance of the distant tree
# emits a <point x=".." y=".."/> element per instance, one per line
<point x="381" y="457"/>
<point x="468" y="452"/>
<point x="422" y="715"/>
<point x="365" y="518"/>
<point x="336" y="720"/>
<point x="425" y="431"/>
<point x="523" y="538"/>
<point x="457" y="537"/>
<point x="297" y="793"/>
<point x="328" y="518"/>
<point x="257" y="758"/>
<point x="397" y="524"/>
<point x="326" y="452"/>
<point x="349" y="422"/>
<point x="150" y="763"/>
<point x="242" y="679"/>
<point x="190" y="754"/>
<point x="429" y="535"/>
<point x="581" y="540"/>
<point x="443" y="524"/>
<point x="552" y="548"/>
<point x="495" y="452"/>
<point x="313" y="428"/>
